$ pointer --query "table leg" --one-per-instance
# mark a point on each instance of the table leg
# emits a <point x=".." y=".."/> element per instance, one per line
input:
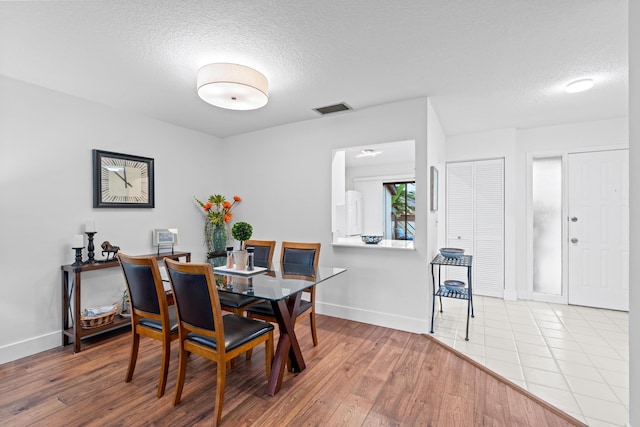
<point x="469" y="274"/>
<point x="288" y="348"/>
<point x="466" y="338"/>
<point x="433" y="298"/>
<point x="76" y="312"/>
<point x="65" y="306"/>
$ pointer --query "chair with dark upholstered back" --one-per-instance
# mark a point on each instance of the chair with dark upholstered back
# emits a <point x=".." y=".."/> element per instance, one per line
<point x="203" y="330"/>
<point x="150" y="314"/>
<point x="292" y="254"/>
<point x="263" y="253"/>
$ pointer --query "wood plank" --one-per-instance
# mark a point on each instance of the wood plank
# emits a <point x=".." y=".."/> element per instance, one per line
<point x="359" y="374"/>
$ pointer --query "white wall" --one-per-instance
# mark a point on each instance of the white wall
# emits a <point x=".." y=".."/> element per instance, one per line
<point x="285" y="177"/>
<point x="634" y="192"/>
<point x="436" y="156"/>
<point x="46" y="140"/>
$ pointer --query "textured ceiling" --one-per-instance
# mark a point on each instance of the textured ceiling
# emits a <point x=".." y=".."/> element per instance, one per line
<point x="486" y="64"/>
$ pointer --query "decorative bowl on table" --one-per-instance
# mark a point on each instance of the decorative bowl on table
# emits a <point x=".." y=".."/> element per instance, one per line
<point x="451" y="252"/>
<point x="453" y="285"/>
<point x="371" y="240"/>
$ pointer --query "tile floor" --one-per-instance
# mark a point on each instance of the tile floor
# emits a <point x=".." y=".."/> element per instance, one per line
<point x="576" y="358"/>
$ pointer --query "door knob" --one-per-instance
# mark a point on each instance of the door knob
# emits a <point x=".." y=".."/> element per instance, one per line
<point x="574" y="240"/>
<point x="574" y="219"/>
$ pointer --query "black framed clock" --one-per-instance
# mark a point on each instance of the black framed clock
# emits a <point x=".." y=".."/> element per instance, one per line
<point x="122" y="180"/>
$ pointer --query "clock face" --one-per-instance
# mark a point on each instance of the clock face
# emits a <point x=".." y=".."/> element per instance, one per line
<point x="123" y="180"/>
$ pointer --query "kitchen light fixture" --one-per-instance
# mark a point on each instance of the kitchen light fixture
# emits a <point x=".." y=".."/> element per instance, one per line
<point x="368" y="153"/>
<point x="579" y="86"/>
<point x="233" y="86"/>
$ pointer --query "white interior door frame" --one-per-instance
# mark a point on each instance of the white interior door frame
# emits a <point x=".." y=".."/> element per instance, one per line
<point x="530" y="294"/>
<point x="536" y="296"/>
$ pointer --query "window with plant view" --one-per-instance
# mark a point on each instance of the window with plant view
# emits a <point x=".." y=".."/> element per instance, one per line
<point x="399" y="210"/>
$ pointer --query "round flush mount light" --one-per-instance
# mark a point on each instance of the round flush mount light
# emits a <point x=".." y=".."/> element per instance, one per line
<point x="579" y="86"/>
<point x="369" y="152"/>
<point x="233" y="86"/>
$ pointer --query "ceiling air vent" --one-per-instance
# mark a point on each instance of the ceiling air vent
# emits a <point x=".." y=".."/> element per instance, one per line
<point x="335" y="108"/>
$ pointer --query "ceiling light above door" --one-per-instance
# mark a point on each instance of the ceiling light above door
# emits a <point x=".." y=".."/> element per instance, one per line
<point x="233" y="86"/>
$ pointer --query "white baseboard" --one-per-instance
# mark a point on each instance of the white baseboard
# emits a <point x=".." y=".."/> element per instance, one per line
<point x="18" y="350"/>
<point x="408" y="324"/>
<point x="510" y="294"/>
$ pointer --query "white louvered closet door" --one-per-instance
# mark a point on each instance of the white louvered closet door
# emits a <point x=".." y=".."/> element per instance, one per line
<point x="475" y="221"/>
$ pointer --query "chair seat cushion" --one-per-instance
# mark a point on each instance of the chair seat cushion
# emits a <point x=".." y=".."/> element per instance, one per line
<point x="155" y="324"/>
<point x="264" y="308"/>
<point x="238" y="330"/>
<point x="235" y="300"/>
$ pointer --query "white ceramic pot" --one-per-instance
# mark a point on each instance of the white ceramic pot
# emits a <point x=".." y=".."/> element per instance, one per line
<point x="240" y="259"/>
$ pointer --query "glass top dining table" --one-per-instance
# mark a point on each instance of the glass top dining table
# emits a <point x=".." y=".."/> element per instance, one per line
<point x="282" y="285"/>
<point x="273" y="283"/>
<point x="277" y="282"/>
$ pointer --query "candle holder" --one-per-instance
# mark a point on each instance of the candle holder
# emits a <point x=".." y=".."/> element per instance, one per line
<point x="78" y="260"/>
<point x="90" y="247"/>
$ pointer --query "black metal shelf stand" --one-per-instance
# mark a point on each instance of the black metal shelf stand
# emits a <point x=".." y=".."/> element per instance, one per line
<point x="441" y="291"/>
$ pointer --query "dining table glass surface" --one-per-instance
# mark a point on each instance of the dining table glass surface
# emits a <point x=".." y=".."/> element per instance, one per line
<point x="279" y="281"/>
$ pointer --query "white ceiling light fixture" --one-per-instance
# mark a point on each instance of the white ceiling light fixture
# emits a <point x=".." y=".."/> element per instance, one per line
<point x="233" y="86"/>
<point x="579" y="86"/>
<point x="369" y="152"/>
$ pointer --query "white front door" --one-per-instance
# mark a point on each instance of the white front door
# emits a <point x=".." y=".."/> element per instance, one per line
<point x="599" y="229"/>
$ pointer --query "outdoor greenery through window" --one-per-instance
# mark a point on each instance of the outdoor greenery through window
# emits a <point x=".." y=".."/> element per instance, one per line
<point x="399" y="210"/>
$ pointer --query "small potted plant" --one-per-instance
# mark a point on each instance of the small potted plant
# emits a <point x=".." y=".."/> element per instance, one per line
<point x="241" y="231"/>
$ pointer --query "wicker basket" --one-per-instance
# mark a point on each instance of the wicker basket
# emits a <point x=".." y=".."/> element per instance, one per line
<point x="104" y="319"/>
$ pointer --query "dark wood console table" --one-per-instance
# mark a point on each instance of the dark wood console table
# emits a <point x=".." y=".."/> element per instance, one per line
<point x="71" y="281"/>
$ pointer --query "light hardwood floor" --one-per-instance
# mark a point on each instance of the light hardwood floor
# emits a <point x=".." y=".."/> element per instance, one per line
<point x="358" y="375"/>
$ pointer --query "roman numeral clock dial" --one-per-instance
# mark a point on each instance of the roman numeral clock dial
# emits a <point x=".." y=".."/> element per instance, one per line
<point x="122" y="180"/>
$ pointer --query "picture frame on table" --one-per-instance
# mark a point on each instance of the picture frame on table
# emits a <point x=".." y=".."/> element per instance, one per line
<point x="165" y="237"/>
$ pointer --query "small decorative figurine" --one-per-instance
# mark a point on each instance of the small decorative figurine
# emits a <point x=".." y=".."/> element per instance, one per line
<point x="110" y="250"/>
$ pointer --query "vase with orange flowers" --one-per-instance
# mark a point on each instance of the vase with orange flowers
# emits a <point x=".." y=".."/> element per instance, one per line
<point x="217" y="222"/>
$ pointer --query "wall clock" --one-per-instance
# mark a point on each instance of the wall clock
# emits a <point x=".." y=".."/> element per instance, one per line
<point x="122" y="181"/>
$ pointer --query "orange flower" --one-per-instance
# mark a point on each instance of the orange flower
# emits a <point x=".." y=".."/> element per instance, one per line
<point x="218" y="209"/>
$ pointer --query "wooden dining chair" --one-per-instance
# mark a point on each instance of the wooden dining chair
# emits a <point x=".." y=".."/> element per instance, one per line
<point x="204" y="331"/>
<point x="150" y="314"/>
<point x="263" y="255"/>
<point x="293" y="253"/>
